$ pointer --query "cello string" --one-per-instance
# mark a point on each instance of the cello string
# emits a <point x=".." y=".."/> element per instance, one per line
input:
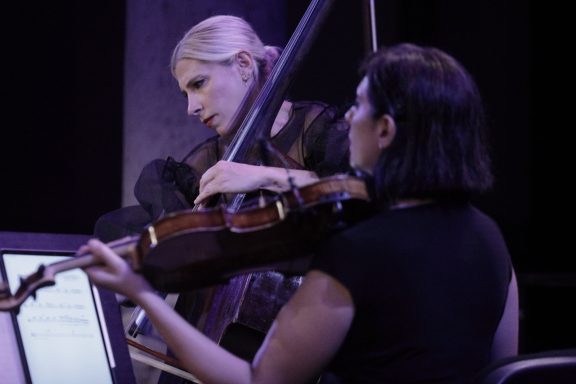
<point x="373" y="26"/>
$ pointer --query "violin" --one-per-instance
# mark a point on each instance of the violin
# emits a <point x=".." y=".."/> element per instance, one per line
<point x="191" y="249"/>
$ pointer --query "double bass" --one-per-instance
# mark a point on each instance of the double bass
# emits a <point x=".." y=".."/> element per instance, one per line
<point x="252" y="300"/>
<point x="247" y="304"/>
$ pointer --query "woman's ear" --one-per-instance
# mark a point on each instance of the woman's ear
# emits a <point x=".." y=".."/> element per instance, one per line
<point x="245" y="65"/>
<point x="244" y="60"/>
<point x="386" y="127"/>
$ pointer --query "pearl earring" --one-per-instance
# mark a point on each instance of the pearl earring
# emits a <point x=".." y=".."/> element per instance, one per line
<point x="245" y="76"/>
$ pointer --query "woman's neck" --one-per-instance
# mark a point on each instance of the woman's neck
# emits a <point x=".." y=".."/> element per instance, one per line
<point x="281" y="118"/>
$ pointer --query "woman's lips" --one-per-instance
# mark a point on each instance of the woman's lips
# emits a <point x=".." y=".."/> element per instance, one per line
<point x="208" y="121"/>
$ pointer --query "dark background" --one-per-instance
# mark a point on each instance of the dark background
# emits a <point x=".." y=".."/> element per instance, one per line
<point x="62" y="134"/>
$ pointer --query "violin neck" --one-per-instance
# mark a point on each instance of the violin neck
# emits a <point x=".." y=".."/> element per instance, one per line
<point x="46" y="274"/>
<point x="125" y="247"/>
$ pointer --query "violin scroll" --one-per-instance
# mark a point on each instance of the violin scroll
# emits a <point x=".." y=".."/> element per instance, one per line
<point x="45" y="275"/>
<point x="28" y="287"/>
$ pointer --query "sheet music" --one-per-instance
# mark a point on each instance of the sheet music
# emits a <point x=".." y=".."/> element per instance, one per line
<point x="60" y="331"/>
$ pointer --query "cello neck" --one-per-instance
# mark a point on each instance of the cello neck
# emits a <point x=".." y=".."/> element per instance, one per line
<point x="265" y="101"/>
<point x="263" y="111"/>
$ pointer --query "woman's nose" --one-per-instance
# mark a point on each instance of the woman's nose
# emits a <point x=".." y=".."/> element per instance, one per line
<point x="194" y="107"/>
<point x="348" y="115"/>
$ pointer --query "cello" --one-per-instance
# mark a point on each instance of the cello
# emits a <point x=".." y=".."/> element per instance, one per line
<point x="253" y="299"/>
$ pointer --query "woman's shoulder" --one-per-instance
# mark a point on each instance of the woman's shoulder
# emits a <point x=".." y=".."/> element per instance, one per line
<point x="314" y="108"/>
<point x="203" y="155"/>
<point x="318" y="117"/>
<point x="304" y="104"/>
<point x="209" y="142"/>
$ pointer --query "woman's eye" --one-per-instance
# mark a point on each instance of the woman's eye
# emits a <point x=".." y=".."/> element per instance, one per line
<point x="198" y="84"/>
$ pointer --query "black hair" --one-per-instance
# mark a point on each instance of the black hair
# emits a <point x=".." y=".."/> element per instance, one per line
<point x="440" y="147"/>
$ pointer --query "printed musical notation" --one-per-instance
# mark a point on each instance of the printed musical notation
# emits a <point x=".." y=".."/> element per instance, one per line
<point x="42" y="304"/>
<point x="59" y="311"/>
<point x="59" y="330"/>
<point x="59" y="326"/>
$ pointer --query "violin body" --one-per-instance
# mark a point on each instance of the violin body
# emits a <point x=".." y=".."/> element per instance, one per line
<point x="187" y="250"/>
